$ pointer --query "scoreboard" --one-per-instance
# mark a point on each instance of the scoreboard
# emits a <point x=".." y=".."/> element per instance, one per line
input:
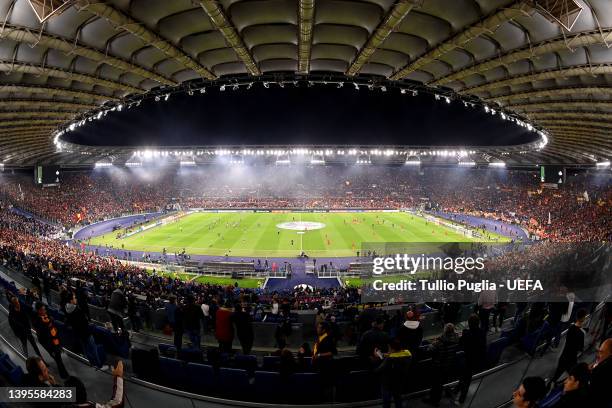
<point x="46" y="175"/>
<point x="552" y="174"/>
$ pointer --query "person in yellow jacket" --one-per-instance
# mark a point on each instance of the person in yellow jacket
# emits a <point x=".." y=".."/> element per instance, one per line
<point x="393" y="370"/>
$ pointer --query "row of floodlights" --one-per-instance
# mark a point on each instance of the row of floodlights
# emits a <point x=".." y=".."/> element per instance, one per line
<point x="302" y="152"/>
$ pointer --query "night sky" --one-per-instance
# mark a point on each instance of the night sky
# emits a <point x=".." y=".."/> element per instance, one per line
<point x="317" y="115"/>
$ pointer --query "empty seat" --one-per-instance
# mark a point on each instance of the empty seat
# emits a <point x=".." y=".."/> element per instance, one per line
<point x="495" y="350"/>
<point x="359" y="385"/>
<point x="234" y="384"/>
<point x="271" y="363"/>
<point x="201" y="378"/>
<point x="245" y="362"/>
<point x="9" y="370"/>
<point x="173" y="373"/>
<point x="269" y="387"/>
<point x="304" y="388"/>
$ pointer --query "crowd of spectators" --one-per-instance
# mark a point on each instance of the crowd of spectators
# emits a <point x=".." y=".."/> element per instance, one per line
<point x="578" y="210"/>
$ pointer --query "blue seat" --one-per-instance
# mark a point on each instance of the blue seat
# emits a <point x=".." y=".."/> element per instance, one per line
<point x="9" y="370"/>
<point x="304" y="388"/>
<point x="118" y="345"/>
<point x="270" y="387"/>
<point x="359" y="385"/>
<point x="201" y="378"/>
<point x="495" y="350"/>
<point x="246" y="362"/>
<point x="271" y="363"/>
<point x="552" y="398"/>
<point x="531" y="341"/>
<point x="173" y="373"/>
<point x="234" y="384"/>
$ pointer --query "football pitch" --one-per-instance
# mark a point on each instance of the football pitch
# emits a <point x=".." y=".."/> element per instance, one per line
<point x="250" y="234"/>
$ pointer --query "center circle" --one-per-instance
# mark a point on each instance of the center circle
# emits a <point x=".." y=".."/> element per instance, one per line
<point x="300" y="225"/>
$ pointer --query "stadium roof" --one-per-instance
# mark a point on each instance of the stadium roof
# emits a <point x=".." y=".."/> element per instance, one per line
<point x="548" y="60"/>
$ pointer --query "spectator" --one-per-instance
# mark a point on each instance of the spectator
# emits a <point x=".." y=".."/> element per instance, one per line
<point x="410" y="333"/>
<point x="244" y="327"/>
<point x="444" y="355"/>
<point x="38" y="374"/>
<point x="48" y="337"/>
<point x="80" y="326"/>
<point x="574" y="344"/>
<point x="531" y="390"/>
<point x="192" y="316"/>
<point x="323" y="354"/>
<point x="375" y="338"/>
<point x="20" y="324"/>
<point x="224" y="330"/>
<point x="601" y="373"/>
<point x="116" y="310"/>
<point x="393" y="370"/>
<point x="575" y="388"/>
<point x="170" y="309"/>
<point x="178" y="329"/>
<point x="116" y="400"/>
<point x="486" y="304"/>
<point x="473" y="342"/>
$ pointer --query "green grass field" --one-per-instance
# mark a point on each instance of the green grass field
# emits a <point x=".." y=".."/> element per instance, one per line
<point x="248" y="234"/>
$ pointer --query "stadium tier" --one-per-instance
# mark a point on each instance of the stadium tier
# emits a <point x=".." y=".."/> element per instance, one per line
<point x="302" y="203"/>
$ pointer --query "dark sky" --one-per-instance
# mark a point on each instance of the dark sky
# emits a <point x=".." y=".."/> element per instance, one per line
<point x="317" y="115"/>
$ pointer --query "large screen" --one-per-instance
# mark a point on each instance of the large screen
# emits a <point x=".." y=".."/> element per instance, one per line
<point x="47" y="174"/>
<point x="552" y="174"/>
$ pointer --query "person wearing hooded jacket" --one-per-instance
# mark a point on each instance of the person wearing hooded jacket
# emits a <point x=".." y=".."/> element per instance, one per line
<point x="77" y="319"/>
<point x="410" y="333"/>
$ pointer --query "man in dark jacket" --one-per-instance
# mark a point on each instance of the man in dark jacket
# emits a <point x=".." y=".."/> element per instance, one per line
<point x="444" y="355"/>
<point x="601" y="373"/>
<point x="192" y="316"/>
<point x="574" y="344"/>
<point x="244" y="327"/>
<point x="20" y="323"/>
<point x="473" y="342"/>
<point x="393" y="371"/>
<point x="48" y="337"/>
<point x="575" y="388"/>
<point x="77" y="319"/>
<point x="375" y="338"/>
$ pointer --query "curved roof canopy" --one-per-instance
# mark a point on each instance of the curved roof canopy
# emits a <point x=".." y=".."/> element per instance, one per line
<point x="549" y="61"/>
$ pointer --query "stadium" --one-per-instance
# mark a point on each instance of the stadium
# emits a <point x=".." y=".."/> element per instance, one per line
<point x="306" y="203"/>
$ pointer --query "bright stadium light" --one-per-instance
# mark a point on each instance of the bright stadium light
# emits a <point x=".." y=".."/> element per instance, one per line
<point x="167" y="97"/>
<point x="317" y="161"/>
<point x="283" y="161"/>
<point x="467" y="163"/>
<point x="413" y="162"/>
<point x="187" y="163"/>
<point x="497" y="164"/>
<point x="603" y="164"/>
<point x="101" y="164"/>
<point x="133" y="164"/>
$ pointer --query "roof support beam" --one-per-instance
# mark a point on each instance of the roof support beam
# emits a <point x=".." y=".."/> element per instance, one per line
<point x="8" y="66"/>
<point x="124" y="22"/>
<point x="56" y="91"/>
<point x="15" y="123"/>
<point x="394" y="18"/>
<point x="306" y="24"/>
<point x="36" y="114"/>
<point x="488" y="25"/>
<point x="561" y="104"/>
<point x="573" y="115"/>
<point x="581" y="39"/>
<point x="553" y="92"/>
<point x="592" y="70"/>
<point x="586" y="123"/>
<point x="11" y="104"/>
<point x="28" y="36"/>
<point x="223" y="24"/>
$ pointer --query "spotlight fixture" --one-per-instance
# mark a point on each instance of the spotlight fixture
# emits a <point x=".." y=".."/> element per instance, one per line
<point x="266" y="85"/>
<point x="202" y="90"/>
<point x="167" y="97"/>
<point x="356" y="86"/>
<point x="249" y="86"/>
<point x="383" y="88"/>
<point x="156" y="98"/>
<point x="190" y="92"/>
<point x="340" y="85"/>
<point x="235" y="87"/>
<point x="222" y="88"/>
